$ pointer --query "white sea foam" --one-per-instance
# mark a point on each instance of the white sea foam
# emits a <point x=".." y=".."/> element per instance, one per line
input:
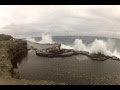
<point x="63" y="46"/>
<point x="104" y="47"/>
<point x="98" y="45"/>
<point x="46" y="38"/>
<point x="30" y="39"/>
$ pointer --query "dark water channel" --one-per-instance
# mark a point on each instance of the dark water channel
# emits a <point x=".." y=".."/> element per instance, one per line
<point x="70" y="70"/>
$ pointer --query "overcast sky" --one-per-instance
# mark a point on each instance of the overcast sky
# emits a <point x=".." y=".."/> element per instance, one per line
<point x="32" y="20"/>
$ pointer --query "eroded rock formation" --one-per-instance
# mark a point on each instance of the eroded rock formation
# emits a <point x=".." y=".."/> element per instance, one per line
<point x="11" y="51"/>
<point x="57" y="52"/>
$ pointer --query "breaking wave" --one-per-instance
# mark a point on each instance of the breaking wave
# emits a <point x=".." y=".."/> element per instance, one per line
<point x="97" y="46"/>
<point x="30" y="39"/>
<point x="63" y="46"/>
<point x="104" y="47"/>
<point x="46" y="38"/>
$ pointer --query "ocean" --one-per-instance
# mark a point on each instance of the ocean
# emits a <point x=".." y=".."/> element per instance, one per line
<point x="74" y="70"/>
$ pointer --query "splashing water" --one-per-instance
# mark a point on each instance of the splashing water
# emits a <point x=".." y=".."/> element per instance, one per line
<point x="46" y="38"/>
<point x="116" y="53"/>
<point x="79" y="46"/>
<point x="97" y="46"/>
<point x="30" y="39"/>
<point x="63" y="46"/>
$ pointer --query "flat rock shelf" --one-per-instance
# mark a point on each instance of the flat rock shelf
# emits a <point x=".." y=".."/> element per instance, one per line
<point x="57" y="52"/>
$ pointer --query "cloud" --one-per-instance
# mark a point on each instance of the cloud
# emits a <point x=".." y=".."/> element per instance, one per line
<point x="32" y="20"/>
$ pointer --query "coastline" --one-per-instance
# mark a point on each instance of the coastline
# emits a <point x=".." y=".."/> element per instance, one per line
<point x="11" y="51"/>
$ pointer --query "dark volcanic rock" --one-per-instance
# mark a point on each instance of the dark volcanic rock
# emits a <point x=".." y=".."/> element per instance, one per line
<point x="115" y="58"/>
<point x="57" y="52"/>
<point x="83" y="53"/>
<point x="98" y="56"/>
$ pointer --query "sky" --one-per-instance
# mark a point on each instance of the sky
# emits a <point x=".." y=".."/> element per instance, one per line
<point x="62" y="20"/>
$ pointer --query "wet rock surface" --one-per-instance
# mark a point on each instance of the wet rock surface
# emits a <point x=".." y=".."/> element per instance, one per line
<point x="99" y="57"/>
<point x="57" y="52"/>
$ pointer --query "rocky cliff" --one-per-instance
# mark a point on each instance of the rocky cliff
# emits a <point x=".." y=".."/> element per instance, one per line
<point x="12" y="51"/>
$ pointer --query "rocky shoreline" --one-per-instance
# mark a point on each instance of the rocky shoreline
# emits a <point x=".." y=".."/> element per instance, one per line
<point x="12" y="51"/>
<point x="56" y="51"/>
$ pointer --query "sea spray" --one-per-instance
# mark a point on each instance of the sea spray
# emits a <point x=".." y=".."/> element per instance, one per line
<point x="46" y="38"/>
<point x="63" y="46"/>
<point x="116" y="53"/>
<point x="111" y="44"/>
<point x="30" y="39"/>
<point x="97" y="46"/>
<point x="78" y="45"/>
